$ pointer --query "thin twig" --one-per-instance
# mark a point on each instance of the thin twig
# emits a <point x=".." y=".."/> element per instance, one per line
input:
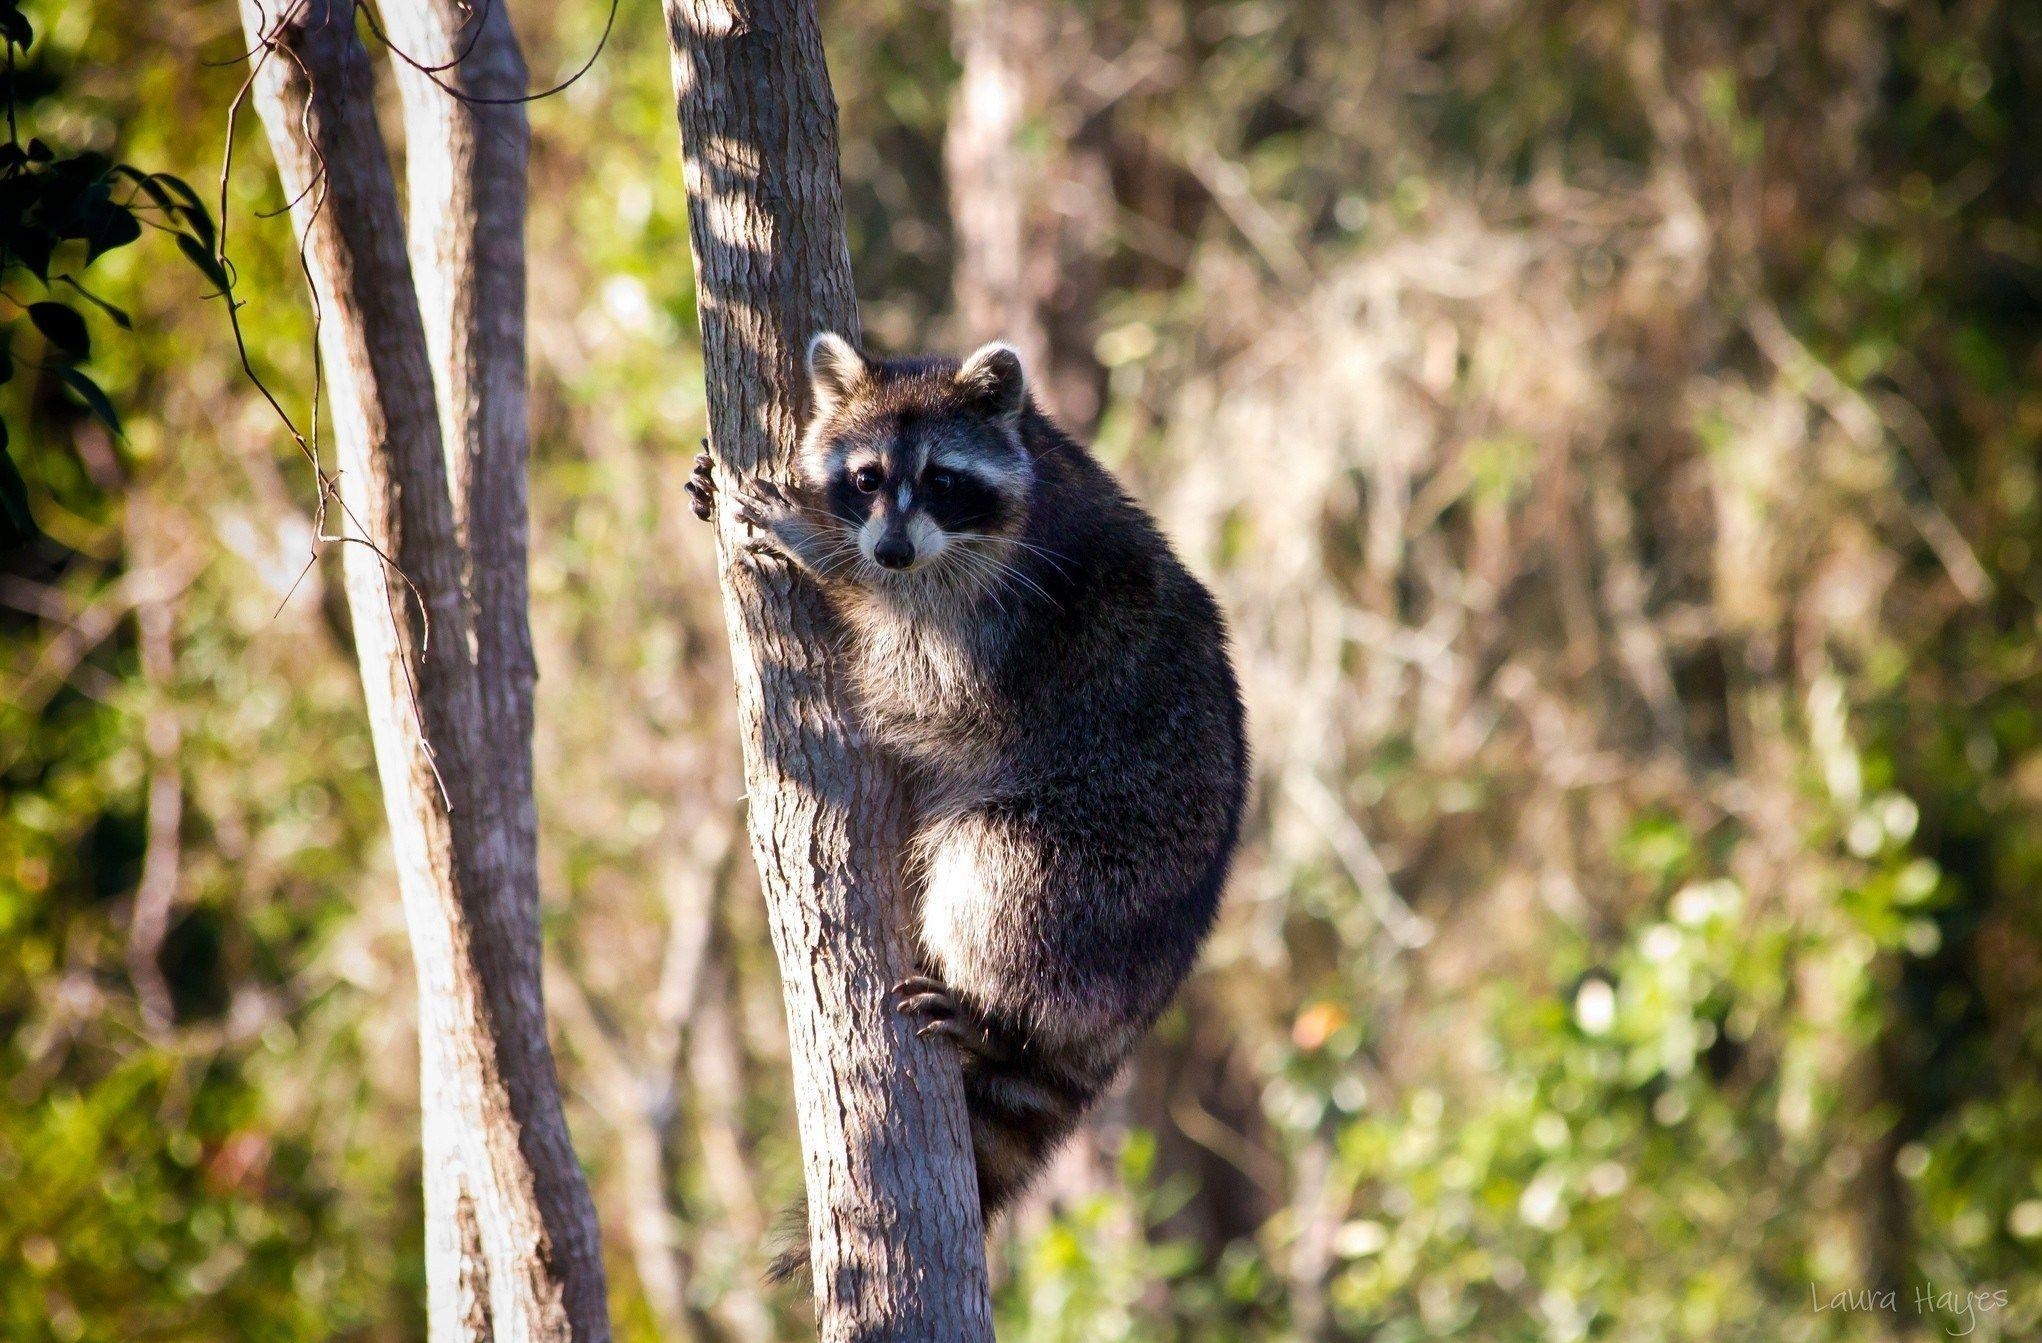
<point x="433" y="72"/>
<point x="308" y="441"/>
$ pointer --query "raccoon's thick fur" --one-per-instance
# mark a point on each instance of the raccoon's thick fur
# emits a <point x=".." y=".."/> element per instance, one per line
<point x="1057" y="689"/>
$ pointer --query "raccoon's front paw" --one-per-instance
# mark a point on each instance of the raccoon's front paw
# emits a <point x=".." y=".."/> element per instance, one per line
<point x="943" y="1015"/>
<point x="701" y="486"/>
<point x="759" y="502"/>
<point x="763" y="505"/>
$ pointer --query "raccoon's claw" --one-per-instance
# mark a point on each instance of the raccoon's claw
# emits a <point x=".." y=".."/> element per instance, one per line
<point x="701" y="488"/>
<point x="761" y="502"/>
<point x="767" y="510"/>
<point x="935" y="1005"/>
<point x="932" y="1000"/>
<point x="967" y="1034"/>
<point x="758" y="503"/>
<point x="922" y="996"/>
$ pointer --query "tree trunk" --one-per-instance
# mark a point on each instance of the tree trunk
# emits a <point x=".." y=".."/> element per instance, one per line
<point x="895" y="1235"/>
<point x="439" y="625"/>
<point x="1031" y="195"/>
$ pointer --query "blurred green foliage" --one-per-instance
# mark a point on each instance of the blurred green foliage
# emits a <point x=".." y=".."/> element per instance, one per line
<point x="57" y="216"/>
<point x="1614" y="429"/>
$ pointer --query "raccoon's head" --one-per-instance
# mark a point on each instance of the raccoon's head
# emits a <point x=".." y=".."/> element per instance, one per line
<point x="919" y="460"/>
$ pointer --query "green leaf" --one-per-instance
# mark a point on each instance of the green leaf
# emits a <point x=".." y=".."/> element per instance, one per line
<point x="116" y="228"/>
<point x="32" y="245"/>
<point x="148" y="185"/>
<point x="88" y="392"/>
<point x="173" y="197"/>
<point x="194" y="210"/>
<point x="202" y="257"/>
<point x="62" y="327"/>
<point x="89" y="166"/>
<point x="118" y="317"/>
<point x="17" y="524"/>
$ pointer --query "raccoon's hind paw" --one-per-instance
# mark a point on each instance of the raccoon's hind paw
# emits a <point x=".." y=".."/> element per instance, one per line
<point x="923" y="996"/>
<point x="968" y="1034"/>
<point x="943" y="1015"/>
<point x="701" y="486"/>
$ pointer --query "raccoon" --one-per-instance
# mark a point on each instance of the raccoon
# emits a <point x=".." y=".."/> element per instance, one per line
<point x="1057" y="691"/>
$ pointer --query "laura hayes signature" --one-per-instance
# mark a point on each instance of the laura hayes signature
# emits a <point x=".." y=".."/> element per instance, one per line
<point x="1960" y="1308"/>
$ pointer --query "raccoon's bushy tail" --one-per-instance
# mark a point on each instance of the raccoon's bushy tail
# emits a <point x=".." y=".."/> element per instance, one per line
<point x="790" y="1234"/>
<point x="1020" y="1114"/>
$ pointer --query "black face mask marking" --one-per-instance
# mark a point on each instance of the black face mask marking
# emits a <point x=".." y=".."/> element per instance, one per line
<point x="892" y="478"/>
<point x="970" y="505"/>
<point x="847" y="501"/>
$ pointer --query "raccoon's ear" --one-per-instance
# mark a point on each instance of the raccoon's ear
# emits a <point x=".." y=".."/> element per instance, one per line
<point x="835" y="369"/>
<point x="993" y="379"/>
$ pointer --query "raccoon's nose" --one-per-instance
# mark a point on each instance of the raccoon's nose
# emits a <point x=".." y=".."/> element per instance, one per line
<point x="895" y="552"/>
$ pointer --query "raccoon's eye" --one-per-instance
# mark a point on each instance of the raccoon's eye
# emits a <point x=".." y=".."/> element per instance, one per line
<point x="939" y="482"/>
<point x="867" y="479"/>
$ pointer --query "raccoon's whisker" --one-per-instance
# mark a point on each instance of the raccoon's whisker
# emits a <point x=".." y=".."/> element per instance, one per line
<point x="987" y="580"/>
<point x="1010" y="574"/>
<point x="825" y="514"/>
<point x="1044" y="551"/>
<point x="841" y="556"/>
<point x="973" y="575"/>
<point x="1055" y="560"/>
<point x="837" y="548"/>
<point x="995" y="580"/>
<point x="794" y="505"/>
<point x="984" y="545"/>
<point x="1016" y="574"/>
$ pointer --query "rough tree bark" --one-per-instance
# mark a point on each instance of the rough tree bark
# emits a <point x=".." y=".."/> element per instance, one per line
<point x="895" y="1235"/>
<point x="512" y="1246"/>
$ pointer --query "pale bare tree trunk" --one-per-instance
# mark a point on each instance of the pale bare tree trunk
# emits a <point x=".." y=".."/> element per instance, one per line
<point x="163" y="737"/>
<point x="511" y="1240"/>
<point x="895" y="1234"/>
<point x="1031" y="196"/>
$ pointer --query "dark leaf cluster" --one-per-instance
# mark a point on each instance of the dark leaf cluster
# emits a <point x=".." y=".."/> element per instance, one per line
<point x="59" y="214"/>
